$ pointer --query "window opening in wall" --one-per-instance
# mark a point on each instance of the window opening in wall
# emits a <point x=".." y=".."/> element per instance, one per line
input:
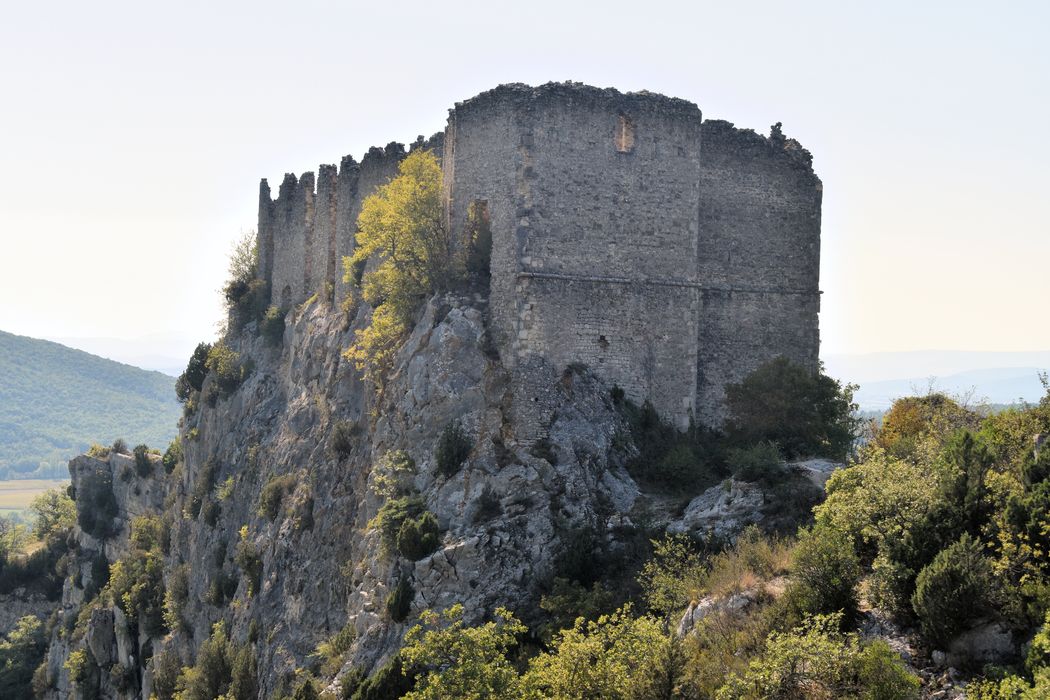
<point x="479" y="240"/>
<point x="625" y="134"/>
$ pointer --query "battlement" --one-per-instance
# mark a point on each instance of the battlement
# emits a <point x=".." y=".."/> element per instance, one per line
<point x="672" y="255"/>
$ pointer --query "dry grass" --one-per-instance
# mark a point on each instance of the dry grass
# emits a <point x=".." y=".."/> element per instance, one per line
<point x="16" y="495"/>
<point x="753" y="560"/>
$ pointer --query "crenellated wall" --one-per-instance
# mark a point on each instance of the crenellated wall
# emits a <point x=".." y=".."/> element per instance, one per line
<point x="668" y="254"/>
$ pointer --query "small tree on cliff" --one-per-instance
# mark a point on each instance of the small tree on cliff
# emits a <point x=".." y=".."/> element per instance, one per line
<point x="402" y="230"/>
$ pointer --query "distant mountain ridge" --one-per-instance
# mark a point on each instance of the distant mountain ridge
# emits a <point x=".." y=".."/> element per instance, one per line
<point x="55" y="401"/>
<point x="995" y="377"/>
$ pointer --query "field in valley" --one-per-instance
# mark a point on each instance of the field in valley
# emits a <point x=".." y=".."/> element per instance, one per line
<point x="16" y="495"/>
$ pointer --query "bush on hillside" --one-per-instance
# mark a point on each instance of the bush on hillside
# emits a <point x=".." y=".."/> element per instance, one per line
<point x="419" y="537"/>
<point x="96" y="505"/>
<point x="825" y="573"/>
<point x="192" y="379"/>
<point x="668" y="458"/>
<point x="143" y="464"/>
<point x="805" y="413"/>
<point x="956" y="588"/>
<point x="227" y="367"/>
<point x="392" y="514"/>
<point x="453" y="448"/>
<point x="271" y="327"/>
<point x="913" y="420"/>
<point x="273" y="493"/>
<point x="399" y="601"/>
<point x="342" y="441"/>
<point x="172" y="456"/>
<point x="758" y="463"/>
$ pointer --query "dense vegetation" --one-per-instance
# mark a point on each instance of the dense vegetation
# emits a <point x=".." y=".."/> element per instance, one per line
<point x="940" y="522"/>
<point x="56" y="401"/>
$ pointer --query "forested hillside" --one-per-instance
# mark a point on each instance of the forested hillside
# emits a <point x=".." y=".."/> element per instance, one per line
<point x="55" y="401"/>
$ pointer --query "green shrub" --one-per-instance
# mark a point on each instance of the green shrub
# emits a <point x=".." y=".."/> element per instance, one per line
<point x="453" y="449"/>
<point x="399" y="602"/>
<point x="227" y="367"/>
<point x="487" y="506"/>
<point x="392" y="514"/>
<point x="166" y="670"/>
<point x="120" y="447"/>
<point x="332" y="650"/>
<point x="343" y="434"/>
<point x="271" y="327"/>
<point x="210" y="511"/>
<point x="223" y="669"/>
<point x="172" y="456"/>
<point x="250" y="561"/>
<point x="21" y="652"/>
<point x="192" y="379"/>
<point x="417" y="538"/>
<point x="805" y="413"/>
<point x="568" y="601"/>
<point x="825" y="573"/>
<point x="815" y="660"/>
<point x="955" y="588"/>
<point x="273" y="493"/>
<point x="390" y="682"/>
<point x="757" y="463"/>
<point x="137" y="585"/>
<point x="680" y="465"/>
<point x="96" y="504"/>
<point x="666" y="457"/>
<point x="175" y="597"/>
<point x="578" y="558"/>
<point x="80" y="665"/>
<point x="393" y="475"/>
<point x="143" y="465"/>
<point x="203" y="486"/>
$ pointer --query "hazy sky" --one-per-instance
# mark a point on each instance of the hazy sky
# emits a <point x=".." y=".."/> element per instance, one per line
<point x="133" y="136"/>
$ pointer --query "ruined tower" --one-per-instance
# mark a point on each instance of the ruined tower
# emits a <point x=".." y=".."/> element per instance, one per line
<point x="668" y="254"/>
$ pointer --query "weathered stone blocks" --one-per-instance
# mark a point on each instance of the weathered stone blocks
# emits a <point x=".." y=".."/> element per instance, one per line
<point x="668" y="254"/>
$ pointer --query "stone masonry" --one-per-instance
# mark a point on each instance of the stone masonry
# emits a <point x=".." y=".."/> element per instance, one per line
<point x="668" y="254"/>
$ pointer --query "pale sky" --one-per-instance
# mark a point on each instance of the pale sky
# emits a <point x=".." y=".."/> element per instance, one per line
<point x="133" y="136"/>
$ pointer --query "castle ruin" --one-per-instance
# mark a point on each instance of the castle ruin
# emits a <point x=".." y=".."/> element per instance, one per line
<point x="670" y="255"/>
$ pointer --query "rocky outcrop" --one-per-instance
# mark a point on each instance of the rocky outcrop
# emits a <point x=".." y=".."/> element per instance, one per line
<point x="304" y="433"/>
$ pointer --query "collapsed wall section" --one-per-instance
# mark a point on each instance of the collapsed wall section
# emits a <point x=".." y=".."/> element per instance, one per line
<point x="759" y="243"/>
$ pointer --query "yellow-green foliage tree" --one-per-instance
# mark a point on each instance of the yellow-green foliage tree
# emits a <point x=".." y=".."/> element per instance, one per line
<point x="463" y="662"/>
<point x="402" y="230"/>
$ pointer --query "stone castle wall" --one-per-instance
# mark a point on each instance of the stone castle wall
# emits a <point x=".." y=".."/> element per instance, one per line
<point x="668" y="254"/>
<point x="759" y="258"/>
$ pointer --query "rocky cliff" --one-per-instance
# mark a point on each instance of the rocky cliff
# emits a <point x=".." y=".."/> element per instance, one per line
<point x="266" y="521"/>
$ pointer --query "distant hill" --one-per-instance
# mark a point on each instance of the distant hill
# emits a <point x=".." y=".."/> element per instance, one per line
<point x="995" y="377"/>
<point x="55" y="401"/>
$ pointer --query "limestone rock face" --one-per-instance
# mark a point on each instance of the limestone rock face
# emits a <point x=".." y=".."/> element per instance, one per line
<point x="988" y="643"/>
<point x="721" y="511"/>
<point x="304" y="433"/>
